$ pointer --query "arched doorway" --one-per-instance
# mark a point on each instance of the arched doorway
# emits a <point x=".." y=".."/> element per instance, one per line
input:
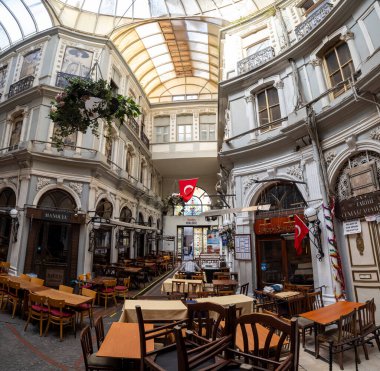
<point x="103" y="235"/>
<point x="276" y="257"/>
<point x="124" y="235"/>
<point x="7" y="202"/>
<point x="140" y="237"/>
<point x="53" y="241"/>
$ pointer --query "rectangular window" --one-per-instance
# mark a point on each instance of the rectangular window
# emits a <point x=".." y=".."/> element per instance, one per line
<point x="184" y="133"/>
<point x="207" y="125"/>
<point x="108" y="152"/>
<point x="339" y="66"/>
<point x="268" y="108"/>
<point x="3" y="74"/>
<point x="162" y="134"/>
<point x="129" y="163"/>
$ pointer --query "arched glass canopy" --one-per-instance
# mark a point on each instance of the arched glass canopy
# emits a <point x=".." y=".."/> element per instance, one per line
<point x="170" y="45"/>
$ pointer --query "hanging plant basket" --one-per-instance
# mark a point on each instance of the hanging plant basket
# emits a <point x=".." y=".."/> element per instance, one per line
<point x="82" y="103"/>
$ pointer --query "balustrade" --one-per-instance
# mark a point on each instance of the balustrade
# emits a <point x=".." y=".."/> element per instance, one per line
<point x="21" y="85"/>
<point x="255" y="60"/>
<point x="63" y="79"/>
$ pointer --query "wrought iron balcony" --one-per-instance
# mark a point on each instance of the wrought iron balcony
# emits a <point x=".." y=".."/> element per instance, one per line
<point x="134" y="125"/>
<point x="255" y="60"/>
<point x="21" y="85"/>
<point x="313" y="20"/>
<point x="145" y="139"/>
<point x="63" y="79"/>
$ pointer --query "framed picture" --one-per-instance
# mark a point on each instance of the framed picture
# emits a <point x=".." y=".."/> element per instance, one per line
<point x="243" y="247"/>
<point x="77" y="61"/>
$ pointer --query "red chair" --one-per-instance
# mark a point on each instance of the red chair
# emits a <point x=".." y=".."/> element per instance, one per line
<point x="37" y="310"/>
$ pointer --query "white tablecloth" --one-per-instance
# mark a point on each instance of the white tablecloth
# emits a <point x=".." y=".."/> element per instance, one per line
<point x="154" y="310"/>
<point x="242" y="301"/>
<point x="167" y="285"/>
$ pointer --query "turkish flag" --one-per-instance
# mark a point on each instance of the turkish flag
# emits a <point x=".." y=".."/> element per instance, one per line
<point x="300" y="231"/>
<point x="186" y="188"/>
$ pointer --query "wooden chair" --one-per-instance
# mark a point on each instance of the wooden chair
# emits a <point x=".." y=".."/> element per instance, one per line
<point x="197" y="276"/>
<point x="158" y="333"/>
<point x="122" y="290"/>
<point x="37" y="281"/>
<point x="341" y="339"/>
<point x="244" y="289"/>
<point x="264" y="342"/>
<point x="4" y="267"/>
<point x="67" y="289"/>
<point x="91" y="361"/>
<point x="180" y="275"/>
<point x="368" y="330"/>
<point x="193" y="289"/>
<point x="25" y="277"/>
<point x="37" y="310"/>
<point x="314" y="300"/>
<point x="108" y="292"/>
<point x="13" y="296"/>
<point x="178" y="287"/>
<point x="82" y="282"/>
<point x="99" y="331"/>
<point x="87" y="308"/>
<point x="3" y="290"/>
<point x="59" y="315"/>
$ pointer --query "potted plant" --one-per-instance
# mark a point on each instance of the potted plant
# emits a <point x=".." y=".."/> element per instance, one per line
<point x="82" y="103"/>
<point x="172" y="201"/>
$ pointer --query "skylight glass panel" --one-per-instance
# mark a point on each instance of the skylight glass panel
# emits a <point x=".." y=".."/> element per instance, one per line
<point x="141" y="9"/>
<point x="198" y="47"/>
<point x="200" y="65"/>
<point x="196" y="26"/>
<point x="92" y="5"/>
<point x="203" y="74"/>
<point x="148" y="77"/>
<point x="158" y="50"/>
<point x="40" y="14"/>
<point x="10" y="24"/>
<point x="153" y="40"/>
<point x="108" y="7"/>
<point x="175" y="7"/>
<point x="158" y="8"/>
<point x="191" y="7"/>
<point x="124" y="8"/>
<point x="198" y="37"/>
<point x="163" y="59"/>
<point x="23" y="16"/>
<point x="148" y="29"/>
<point x="4" y="41"/>
<point x="167" y="76"/>
<point x="206" y="5"/>
<point x="199" y="57"/>
<point x="76" y="3"/>
<point x="165" y="68"/>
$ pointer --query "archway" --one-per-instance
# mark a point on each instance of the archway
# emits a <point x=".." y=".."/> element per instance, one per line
<point x="53" y="241"/>
<point x="7" y="202"/>
<point x="276" y="257"/>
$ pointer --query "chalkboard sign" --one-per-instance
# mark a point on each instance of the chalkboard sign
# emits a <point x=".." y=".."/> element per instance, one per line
<point x="243" y="247"/>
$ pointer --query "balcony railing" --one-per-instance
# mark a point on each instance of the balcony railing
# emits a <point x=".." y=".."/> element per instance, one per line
<point x="133" y="124"/>
<point x="145" y="139"/>
<point x="21" y="85"/>
<point x="63" y="79"/>
<point x="255" y="60"/>
<point x="313" y="20"/>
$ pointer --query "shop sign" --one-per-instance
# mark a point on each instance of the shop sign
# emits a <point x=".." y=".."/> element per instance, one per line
<point x="168" y="238"/>
<point x="359" y="206"/>
<point x="58" y="216"/>
<point x="191" y="221"/>
<point x="62" y="216"/>
<point x="352" y="227"/>
<point x="54" y="277"/>
<point x="276" y="225"/>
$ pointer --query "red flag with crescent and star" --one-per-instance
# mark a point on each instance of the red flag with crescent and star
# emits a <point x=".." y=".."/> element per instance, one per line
<point x="186" y="188"/>
<point x="300" y="231"/>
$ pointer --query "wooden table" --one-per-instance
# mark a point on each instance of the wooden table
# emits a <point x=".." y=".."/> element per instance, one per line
<point x="154" y="310"/>
<point x="225" y="283"/>
<point x="133" y="269"/>
<point x="286" y="294"/>
<point x="327" y="315"/>
<point x="123" y="341"/>
<point x="241" y="301"/>
<point x="167" y="285"/>
<point x="27" y="285"/>
<point x="99" y="280"/>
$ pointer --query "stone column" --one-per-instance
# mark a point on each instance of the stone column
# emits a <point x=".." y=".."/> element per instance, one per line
<point x="348" y="37"/>
<point x="249" y="99"/>
<point x="317" y="63"/>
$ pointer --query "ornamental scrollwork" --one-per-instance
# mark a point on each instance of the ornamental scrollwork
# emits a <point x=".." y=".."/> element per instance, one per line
<point x="329" y="157"/>
<point x="77" y="188"/>
<point x="42" y="182"/>
<point x="248" y="181"/>
<point x="375" y="134"/>
<point x="295" y="171"/>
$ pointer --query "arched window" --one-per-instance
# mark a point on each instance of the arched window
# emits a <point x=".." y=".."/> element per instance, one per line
<point x="281" y="196"/>
<point x="57" y="199"/>
<point x="198" y="203"/>
<point x="125" y="215"/>
<point x="7" y="198"/>
<point x="104" y="209"/>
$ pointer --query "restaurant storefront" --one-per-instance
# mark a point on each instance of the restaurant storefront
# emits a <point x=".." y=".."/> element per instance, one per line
<point x="53" y="240"/>
<point x="276" y="257"/>
<point x="7" y="201"/>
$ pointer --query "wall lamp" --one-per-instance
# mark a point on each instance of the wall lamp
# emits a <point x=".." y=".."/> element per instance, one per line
<point x="311" y="216"/>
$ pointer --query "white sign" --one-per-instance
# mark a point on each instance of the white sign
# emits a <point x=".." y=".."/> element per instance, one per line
<point x="352" y="227"/>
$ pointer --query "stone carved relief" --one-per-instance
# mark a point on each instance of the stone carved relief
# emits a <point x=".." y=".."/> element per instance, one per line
<point x="295" y="171"/>
<point x="13" y="180"/>
<point x="42" y="182"/>
<point x="360" y="243"/>
<point x="329" y="157"/>
<point x="248" y="181"/>
<point x="375" y="134"/>
<point x="77" y="188"/>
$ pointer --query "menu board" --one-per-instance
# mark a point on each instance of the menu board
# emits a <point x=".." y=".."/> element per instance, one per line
<point x="243" y="247"/>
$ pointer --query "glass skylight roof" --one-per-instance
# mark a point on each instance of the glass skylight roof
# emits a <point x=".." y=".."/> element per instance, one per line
<point x="170" y="45"/>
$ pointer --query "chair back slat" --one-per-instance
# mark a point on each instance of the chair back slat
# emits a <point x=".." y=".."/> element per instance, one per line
<point x="86" y="343"/>
<point x="99" y="331"/>
<point x="347" y="327"/>
<point x="314" y="300"/>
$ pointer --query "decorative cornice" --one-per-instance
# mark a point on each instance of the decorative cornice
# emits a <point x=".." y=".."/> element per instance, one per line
<point x="316" y="62"/>
<point x="77" y="188"/>
<point x="375" y="134"/>
<point x="248" y="181"/>
<point x="347" y="36"/>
